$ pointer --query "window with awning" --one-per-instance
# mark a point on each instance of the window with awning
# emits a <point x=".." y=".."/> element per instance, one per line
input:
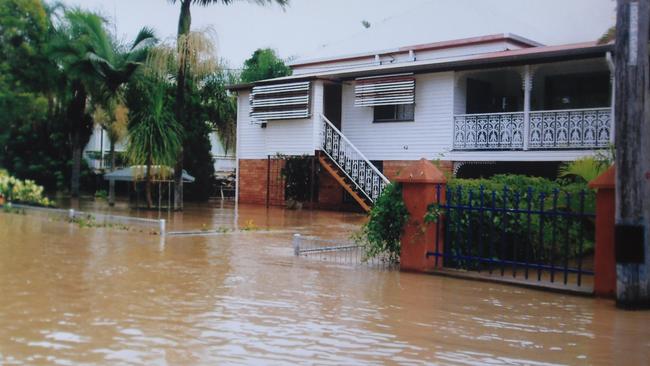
<point x="394" y="89"/>
<point x="280" y="101"/>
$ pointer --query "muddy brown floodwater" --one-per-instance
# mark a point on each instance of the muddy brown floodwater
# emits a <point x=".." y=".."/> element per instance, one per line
<point x="71" y="295"/>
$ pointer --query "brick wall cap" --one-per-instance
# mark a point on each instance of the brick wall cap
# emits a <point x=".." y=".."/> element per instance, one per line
<point x="423" y="171"/>
<point x="606" y="180"/>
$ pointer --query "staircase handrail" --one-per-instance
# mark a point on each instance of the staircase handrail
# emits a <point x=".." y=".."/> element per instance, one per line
<point x="363" y="157"/>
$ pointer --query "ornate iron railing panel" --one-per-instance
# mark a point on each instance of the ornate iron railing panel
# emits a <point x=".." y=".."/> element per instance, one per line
<point x="489" y="131"/>
<point x="557" y="129"/>
<point x="363" y="174"/>
<point x="570" y="129"/>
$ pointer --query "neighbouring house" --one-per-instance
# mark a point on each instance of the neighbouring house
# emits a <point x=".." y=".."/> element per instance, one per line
<point x="496" y="103"/>
<point x="97" y="154"/>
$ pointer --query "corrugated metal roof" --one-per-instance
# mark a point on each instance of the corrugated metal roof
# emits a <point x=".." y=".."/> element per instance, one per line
<point x="520" y="56"/>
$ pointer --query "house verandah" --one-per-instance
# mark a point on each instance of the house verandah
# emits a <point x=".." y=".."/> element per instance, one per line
<point x="563" y="105"/>
<point x="524" y="109"/>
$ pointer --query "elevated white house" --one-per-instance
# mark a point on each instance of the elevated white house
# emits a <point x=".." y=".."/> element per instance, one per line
<point x="500" y="100"/>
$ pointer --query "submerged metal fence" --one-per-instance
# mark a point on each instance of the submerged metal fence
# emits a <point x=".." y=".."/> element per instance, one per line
<point x="337" y="251"/>
<point x="529" y="235"/>
<point x="92" y="219"/>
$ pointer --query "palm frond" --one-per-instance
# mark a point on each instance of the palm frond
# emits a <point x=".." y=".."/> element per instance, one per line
<point x="584" y="169"/>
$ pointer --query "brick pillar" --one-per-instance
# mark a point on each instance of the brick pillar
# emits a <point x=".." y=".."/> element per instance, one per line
<point x="419" y="183"/>
<point x="605" y="257"/>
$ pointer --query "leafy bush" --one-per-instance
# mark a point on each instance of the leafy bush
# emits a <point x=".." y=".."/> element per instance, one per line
<point x="16" y="190"/>
<point x="298" y="177"/>
<point x="382" y="233"/>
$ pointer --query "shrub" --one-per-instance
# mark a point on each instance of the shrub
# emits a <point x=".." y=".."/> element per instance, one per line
<point x="381" y="234"/>
<point x="297" y="173"/>
<point x="16" y="190"/>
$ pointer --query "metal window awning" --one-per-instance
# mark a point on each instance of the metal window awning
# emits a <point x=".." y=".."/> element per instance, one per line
<point x="384" y="90"/>
<point x="280" y="101"/>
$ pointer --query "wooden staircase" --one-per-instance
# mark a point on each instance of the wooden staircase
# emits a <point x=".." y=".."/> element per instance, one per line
<point x="345" y="182"/>
<point x="349" y="167"/>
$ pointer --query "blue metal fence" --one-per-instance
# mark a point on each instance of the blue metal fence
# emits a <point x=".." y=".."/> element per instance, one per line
<point x="542" y="236"/>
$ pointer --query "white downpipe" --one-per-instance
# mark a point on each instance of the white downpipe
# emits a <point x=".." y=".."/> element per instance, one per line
<point x="612" y="70"/>
<point x="372" y="166"/>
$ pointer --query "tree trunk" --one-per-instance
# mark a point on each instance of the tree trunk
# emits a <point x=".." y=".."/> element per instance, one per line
<point x="111" y="183"/>
<point x="147" y="186"/>
<point x="184" y="23"/>
<point x="632" y="108"/>
<point x="76" y="165"/>
<point x="76" y="112"/>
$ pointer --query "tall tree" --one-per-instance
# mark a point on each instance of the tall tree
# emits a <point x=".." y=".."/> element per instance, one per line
<point x="184" y="25"/>
<point x="264" y="64"/>
<point x="28" y="79"/>
<point x="196" y="50"/>
<point x="80" y="35"/>
<point x="154" y="135"/>
<point x="116" y="65"/>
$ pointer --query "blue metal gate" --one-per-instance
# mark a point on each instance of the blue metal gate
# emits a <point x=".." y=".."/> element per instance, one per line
<point x="538" y="236"/>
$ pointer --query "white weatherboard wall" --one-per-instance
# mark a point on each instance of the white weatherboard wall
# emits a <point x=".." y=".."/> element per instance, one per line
<point x="429" y="136"/>
<point x="287" y="137"/>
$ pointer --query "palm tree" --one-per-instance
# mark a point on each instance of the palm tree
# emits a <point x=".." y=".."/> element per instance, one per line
<point x="96" y="67"/>
<point x="196" y="51"/>
<point x="116" y="66"/>
<point x="79" y="34"/>
<point x="184" y="25"/>
<point x="154" y="135"/>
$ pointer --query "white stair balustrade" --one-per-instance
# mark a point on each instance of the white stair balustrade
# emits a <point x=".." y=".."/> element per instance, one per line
<point x="358" y="169"/>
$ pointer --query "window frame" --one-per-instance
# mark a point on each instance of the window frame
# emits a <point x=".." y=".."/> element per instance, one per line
<point x="395" y="114"/>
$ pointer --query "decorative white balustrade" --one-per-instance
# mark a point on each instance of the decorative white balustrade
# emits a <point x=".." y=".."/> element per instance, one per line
<point x="577" y="128"/>
<point x="489" y="131"/>
<point x="361" y="172"/>
<point x="558" y="129"/>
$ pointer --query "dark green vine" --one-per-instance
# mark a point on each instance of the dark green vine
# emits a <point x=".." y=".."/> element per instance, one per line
<point x="381" y="234"/>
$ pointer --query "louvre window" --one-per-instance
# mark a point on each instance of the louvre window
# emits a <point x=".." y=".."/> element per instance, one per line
<point x="280" y="101"/>
<point x="398" y="89"/>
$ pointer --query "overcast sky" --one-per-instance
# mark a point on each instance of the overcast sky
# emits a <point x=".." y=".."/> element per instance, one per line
<point x="320" y="28"/>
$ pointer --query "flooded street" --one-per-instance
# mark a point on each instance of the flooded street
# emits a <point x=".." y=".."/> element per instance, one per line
<point x="72" y="295"/>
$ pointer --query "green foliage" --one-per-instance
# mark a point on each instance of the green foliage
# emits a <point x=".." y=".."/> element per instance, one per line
<point x="298" y="178"/>
<point x="21" y="191"/>
<point x="220" y="107"/>
<point x="264" y="64"/>
<point x="197" y="156"/>
<point x="34" y="133"/>
<point x="583" y="170"/>
<point x="154" y="135"/>
<point x="101" y="194"/>
<point x="608" y="36"/>
<point x="382" y="233"/>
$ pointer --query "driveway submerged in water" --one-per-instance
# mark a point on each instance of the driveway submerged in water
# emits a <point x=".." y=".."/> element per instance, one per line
<point x="71" y="295"/>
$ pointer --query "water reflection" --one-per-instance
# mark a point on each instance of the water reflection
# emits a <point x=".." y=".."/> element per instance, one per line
<point x="95" y="296"/>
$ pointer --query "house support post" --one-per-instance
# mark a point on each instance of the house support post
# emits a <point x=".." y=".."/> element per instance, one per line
<point x="612" y="83"/>
<point x="632" y="82"/>
<point x="419" y="189"/>
<point x="605" y="256"/>
<point x="528" y="87"/>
